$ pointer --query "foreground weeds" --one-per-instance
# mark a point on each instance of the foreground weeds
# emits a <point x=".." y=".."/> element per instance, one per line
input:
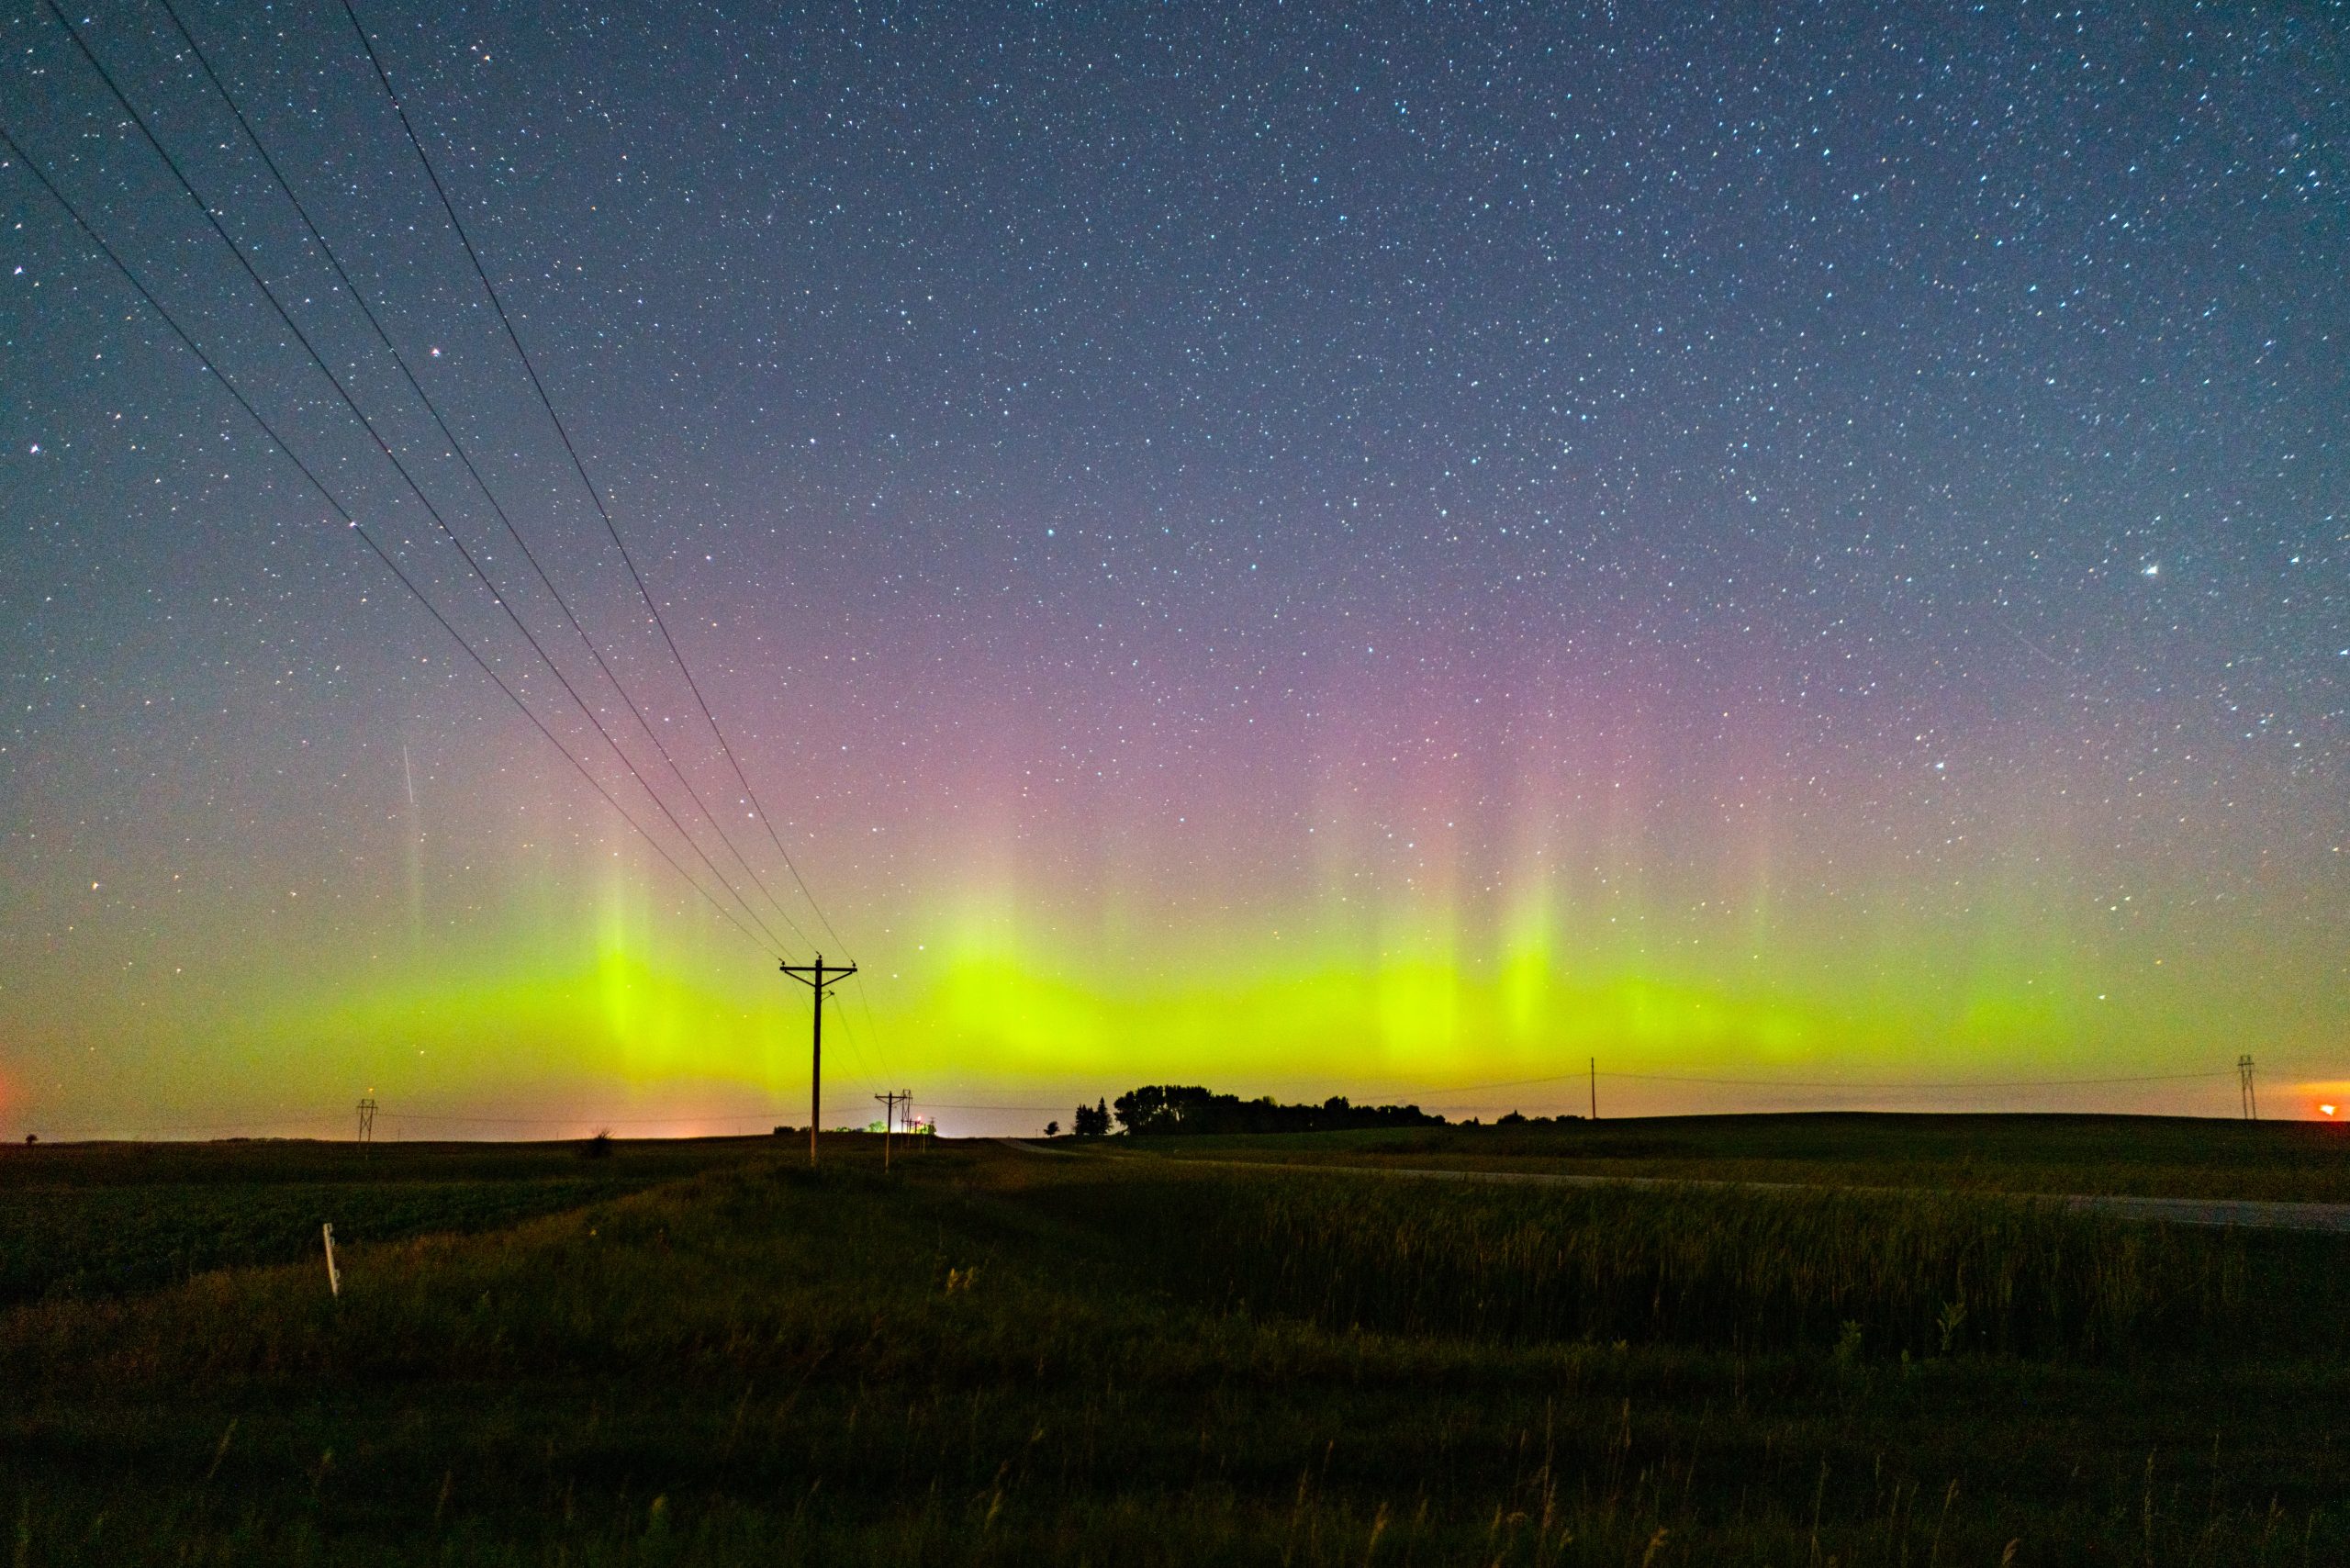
<point x="2174" y="1156"/>
<point x="1876" y="1275"/>
<point x="992" y="1358"/>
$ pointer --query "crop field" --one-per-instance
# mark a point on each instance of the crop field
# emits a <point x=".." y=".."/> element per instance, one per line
<point x="706" y="1354"/>
<point x="2136" y="1156"/>
<point x="106" y="1219"/>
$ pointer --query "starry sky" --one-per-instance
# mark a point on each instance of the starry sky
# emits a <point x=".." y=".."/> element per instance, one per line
<point x="1800" y="553"/>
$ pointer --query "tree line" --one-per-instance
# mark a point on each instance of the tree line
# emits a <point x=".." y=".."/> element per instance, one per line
<point x="1157" y="1110"/>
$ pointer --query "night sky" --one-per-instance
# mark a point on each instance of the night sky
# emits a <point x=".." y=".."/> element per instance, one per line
<point x="1379" y="549"/>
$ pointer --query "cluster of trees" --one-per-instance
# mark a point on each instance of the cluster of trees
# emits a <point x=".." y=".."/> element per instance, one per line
<point x="1091" y="1120"/>
<point x="1159" y="1109"/>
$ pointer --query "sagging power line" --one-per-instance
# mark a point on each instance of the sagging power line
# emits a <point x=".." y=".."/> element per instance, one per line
<point x="1955" y="1086"/>
<point x="465" y="457"/>
<point x="736" y="906"/>
<point x="579" y="466"/>
<point x="350" y="522"/>
<point x="383" y="446"/>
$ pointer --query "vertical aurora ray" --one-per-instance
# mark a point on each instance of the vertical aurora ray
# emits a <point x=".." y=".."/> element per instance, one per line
<point x="1416" y="902"/>
<point x="1419" y="903"/>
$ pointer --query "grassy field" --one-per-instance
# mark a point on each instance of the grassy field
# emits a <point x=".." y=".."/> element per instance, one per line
<point x="109" y="1218"/>
<point x="991" y="1356"/>
<point x="2141" y="1156"/>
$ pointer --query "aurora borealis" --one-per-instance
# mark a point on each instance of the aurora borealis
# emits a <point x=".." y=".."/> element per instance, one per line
<point x="1331" y="549"/>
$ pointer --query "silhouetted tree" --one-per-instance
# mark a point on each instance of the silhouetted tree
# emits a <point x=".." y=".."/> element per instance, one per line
<point x="1162" y="1109"/>
<point x="1052" y="1129"/>
<point x="1091" y="1120"/>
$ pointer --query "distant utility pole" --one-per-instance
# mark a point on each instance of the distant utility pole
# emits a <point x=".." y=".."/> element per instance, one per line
<point x="367" y="1119"/>
<point x="813" y="976"/>
<point x="890" y="1104"/>
<point x="2250" y="1096"/>
<point x="1594" y="1088"/>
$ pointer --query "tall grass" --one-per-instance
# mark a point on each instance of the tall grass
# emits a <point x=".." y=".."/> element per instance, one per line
<point x="1875" y="1275"/>
<point x="977" y="1360"/>
<point x="2149" y="1155"/>
<point x="84" y="1220"/>
<point x="118" y="1240"/>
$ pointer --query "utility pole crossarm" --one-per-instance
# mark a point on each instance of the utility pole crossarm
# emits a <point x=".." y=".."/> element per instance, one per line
<point x="819" y="972"/>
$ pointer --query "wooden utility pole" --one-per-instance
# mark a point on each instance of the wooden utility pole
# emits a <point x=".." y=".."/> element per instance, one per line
<point x="367" y="1119"/>
<point x="1594" y="1088"/>
<point x="2251" y="1094"/>
<point x="890" y="1104"/>
<point x="815" y="978"/>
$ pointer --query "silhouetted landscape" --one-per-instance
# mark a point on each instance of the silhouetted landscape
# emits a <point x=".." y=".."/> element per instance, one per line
<point x="1102" y="1351"/>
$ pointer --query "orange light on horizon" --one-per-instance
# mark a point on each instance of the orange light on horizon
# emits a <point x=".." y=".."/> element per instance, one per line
<point x="2327" y="1109"/>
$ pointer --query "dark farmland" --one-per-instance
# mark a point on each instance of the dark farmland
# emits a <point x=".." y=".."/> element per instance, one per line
<point x="2176" y="1157"/>
<point x="704" y="1353"/>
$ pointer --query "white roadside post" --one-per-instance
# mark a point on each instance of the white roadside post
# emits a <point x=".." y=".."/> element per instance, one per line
<point x="334" y="1279"/>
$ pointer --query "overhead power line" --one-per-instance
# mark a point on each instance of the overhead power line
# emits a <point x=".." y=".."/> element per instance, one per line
<point x="464" y="456"/>
<point x="579" y="466"/>
<point x="366" y="423"/>
<point x="352" y="522"/>
<point x="587" y="1117"/>
<point x="1830" y="1083"/>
